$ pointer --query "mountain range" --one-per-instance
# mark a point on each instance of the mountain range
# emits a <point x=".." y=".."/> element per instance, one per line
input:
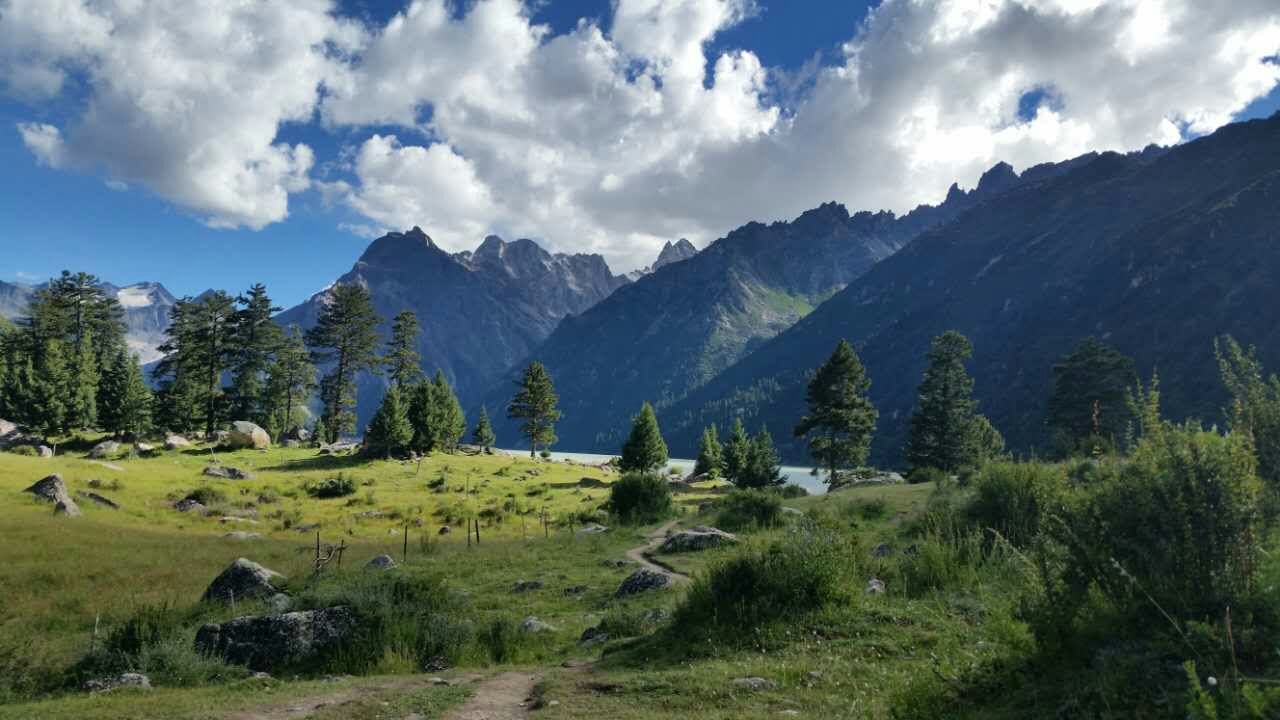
<point x="1156" y="253"/>
<point x="480" y="311"/>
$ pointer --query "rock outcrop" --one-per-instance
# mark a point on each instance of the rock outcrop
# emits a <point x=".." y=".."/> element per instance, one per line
<point x="244" y="435"/>
<point x="271" y="642"/>
<point x="105" y="449"/>
<point x="52" y="489"/>
<point x="243" y="580"/>
<point x="642" y="580"/>
<point x="695" y="539"/>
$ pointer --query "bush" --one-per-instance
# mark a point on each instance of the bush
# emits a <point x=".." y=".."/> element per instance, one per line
<point x="1178" y="526"/>
<point x="404" y="614"/>
<point x="639" y="498"/>
<point x="207" y="496"/>
<point x="502" y="639"/>
<point x="749" y="509"/>
<point x="156" y="641"/>
<point x="330" y="487"/>
<point x="1016" y="499"/>
<point x="790" y="491"/>
<point x="812" y="568"/>
<point x="27" y="450"/>
<point x="925" y="474"/>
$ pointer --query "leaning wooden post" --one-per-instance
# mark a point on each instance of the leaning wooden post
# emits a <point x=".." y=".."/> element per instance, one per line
<point x="468" y="532"/>
<point x="477" y="532"/>
<point x="405" y="554"/>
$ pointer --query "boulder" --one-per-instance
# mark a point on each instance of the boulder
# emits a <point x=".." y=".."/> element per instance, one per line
<point x="97" y="499"/>
<point x="7" y="428"/>
<point x="593" y="529"/>
<point x="291" y="443"/>
<point x="382" y="562"/>
<point x="105" y="449"/>
<point x="576" y="590"/>
<point x="227" y="473"/>
<point x="298" y="434"/>
<point x="641" y="581"/>
<point x="44" y="451"/>
<point x="699" y="538"/>
<point x="269" y="642"/>
<point x="875" y="586"/>
<point x="338" y="447"/>
<point x="244" y="434"/>
<point x="526" y="585"/>
<point x="242" y="535"/>
<point x="52" y="489"/>
<point x="144" y="448"/>
<point x="533" y="625"/>
<point x="857" y="478"/>
<point x="173" y="442"/>
<point x="279" y="603"/>
<point x="445" y="530"/>
<point x="593" y="636"/>
<point x="189" y="505"/>
<point x="137" y="681"/>
<point x="754" y="684"/>
<point x="243" y="579"/>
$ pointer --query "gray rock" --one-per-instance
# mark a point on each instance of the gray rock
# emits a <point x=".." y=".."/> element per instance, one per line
<point x="642" y="580"/>
<point x="137" y="681"/>
<point x="52" y="489"/>
<point x="533" y="625"/>
<point x="755" y="684"/>
<point x="189" y="505"/>
<point x="654" y="616"/>
<point x="243" y="579"/>
<point x="44" y="451"/>
<point x="268" y="642"/>
<point x="105" y="449"/>
<point x="227" y="473"/>
<point x="97" y="499"/>
<point x="382" y="562"/>
<point x="7" y="428"/>
<point x="699" y="538"/>
<point x="173" y="442"/>
<point x="788" y="510"/>
<point x="882" y="550"/>
<point x="244" y="435"/>
<point x="576" y="590"/>
<point x="593" y="529"/>
<point x="242" y="535"/>
<point x="291" y="443"/>
<point x="144" y="448"/>
<point x="445" y="530"/>
<point x="338" y="447"/>
<point x="526" y="585"/>
<point x="875" y="587"/>
<point x="593" y="636"/>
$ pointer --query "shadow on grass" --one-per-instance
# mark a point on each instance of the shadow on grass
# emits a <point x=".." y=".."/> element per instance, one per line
<point x="319" y="462"/>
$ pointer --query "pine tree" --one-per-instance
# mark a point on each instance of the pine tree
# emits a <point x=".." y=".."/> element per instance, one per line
<point x="403" y="363"/>
<point x="1088" y="406"/>
<point x="47" y="409"/>
<point x="422" y="416"/>
<point x="644" y="450"/>
<point x="177" y="398"/>
<point x="710" y="454"/>
<point x="82" y="385"/>
<point x="390" y="432"/>
<point x="254" y="337"/>
<point x="346" y="338"/>
<point x="535" y="405"/>
<point x="736" y="452"/>
<point x="762" y="468"/>
<point x="483" y="434"/>
<point x="841" y="417"/>
<point x="126" y="410"/>
<point x="450" y="422"/>
<point x="291" y="380"/>
<point x="942" y="425"/>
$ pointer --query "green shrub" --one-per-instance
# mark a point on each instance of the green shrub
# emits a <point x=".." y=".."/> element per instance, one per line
<point x="639" y="498"/>
<point x="790" y="491"/>
<point x="330" y="487"/>
<point x="926" y="474"/>
<point x="870" y="509"/>
<point x="405" y="614"/>
<point x="502" y="639"/>
<point x="812" y="568"/>
<point x="624" y="621"/>
<point x="207" y="496"/>
<point x="1016" y="499"/>
<point x="156" y="641"/>
<point x="27" y="450"/>
<point x="749" y="509"/>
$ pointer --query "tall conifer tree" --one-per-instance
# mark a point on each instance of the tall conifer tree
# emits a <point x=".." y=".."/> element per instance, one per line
<point x="483" y="434"/>
<point x="535" y="404"/>
<point x="942" y="424"/>
<point x="841" y="417"/>
<point x="346" y="339"/>
<point x="403" y="363"/>
<point x="644" y="450"/>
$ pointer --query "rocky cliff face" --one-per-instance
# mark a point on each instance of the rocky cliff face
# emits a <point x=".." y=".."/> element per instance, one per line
<point x="480" y="311"/>
<point x="1155" y="253"/>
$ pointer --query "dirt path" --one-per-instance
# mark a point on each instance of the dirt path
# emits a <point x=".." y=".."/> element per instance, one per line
<point x="643" y="554"/>
<point x="501" y="697"/>
<point x="300" y="708"/>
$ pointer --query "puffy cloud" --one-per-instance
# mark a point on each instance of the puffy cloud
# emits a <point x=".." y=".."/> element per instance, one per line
<point x="183" y="97"/>
<point x="614" y="139"/>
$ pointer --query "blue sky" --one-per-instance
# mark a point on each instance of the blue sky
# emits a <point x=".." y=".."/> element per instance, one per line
<point x="67" y="216"/>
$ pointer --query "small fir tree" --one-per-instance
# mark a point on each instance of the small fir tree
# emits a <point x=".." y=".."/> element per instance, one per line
<point x="422" y="416"/>
<point x="763" y="467"/>
<point x="841" y="417"/>
<point x="390" y="432"/>
<point x="450" y="421"/>
<point x="736" y="452"/>
<point x="345" y="338"/>
<point x="402" y="361"/>
<point x="535" y="404"/>
<point x="126" y="411"/>
<point x="483" y="434"/>
<point x="1087" y="407"/>
<point x="710" y="454"/>
<point x="644" y="450"/>
<point x="942" y="421"/>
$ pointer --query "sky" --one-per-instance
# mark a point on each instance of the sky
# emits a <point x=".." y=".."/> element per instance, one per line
<point x="215" y="145"/>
